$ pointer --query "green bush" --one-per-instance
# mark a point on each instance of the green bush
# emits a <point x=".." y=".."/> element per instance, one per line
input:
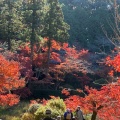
<point x="28" y="116"/>
<point x="40" y="113"/>
<point x="33" y="108"/>
<point x="16" y="44"/>
<point x="16" y="118"/>
<point x="56" y="105"/>
<point x="8" y="117"/>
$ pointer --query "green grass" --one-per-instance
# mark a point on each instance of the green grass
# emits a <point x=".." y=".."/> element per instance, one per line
<point x="15" y="112"/>
<point x="87" y="117"/>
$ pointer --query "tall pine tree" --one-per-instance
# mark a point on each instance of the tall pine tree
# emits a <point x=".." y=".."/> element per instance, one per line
<point x="33" y="16"/>
<point x="54" y="26"/>
<point x="10" y="20"/>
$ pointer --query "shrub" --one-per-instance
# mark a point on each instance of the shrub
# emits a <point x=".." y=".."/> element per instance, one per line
<point x="8" y="117"/>
<point x="16" y="118"/>
<point x="28" y="116"/>
<point x="40" y="113"/>
<point x="56" y="105"/>
<point x="33" y="108"/>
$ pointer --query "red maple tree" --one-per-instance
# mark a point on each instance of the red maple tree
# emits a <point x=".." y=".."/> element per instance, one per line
<point x="9" y="80"/>
<point x="103" y="103"/>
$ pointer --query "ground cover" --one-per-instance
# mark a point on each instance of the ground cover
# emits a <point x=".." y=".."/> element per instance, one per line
<point x="15" y="112"/>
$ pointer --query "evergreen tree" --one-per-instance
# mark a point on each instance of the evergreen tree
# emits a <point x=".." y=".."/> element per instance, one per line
<point x="33" y="17"/>
<point x="86" y="18"/>
<point x="54" y="25"/>
<point x="10" y="20"/>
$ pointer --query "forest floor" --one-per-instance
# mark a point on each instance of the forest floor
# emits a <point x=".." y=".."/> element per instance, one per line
<point x="15" y="112"/>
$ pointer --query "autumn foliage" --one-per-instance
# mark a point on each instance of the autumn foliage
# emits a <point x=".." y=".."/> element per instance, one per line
<point x="9" y="80"/>
<point x="114" y="63"/>
<point x="63" y="59"/>
<point x="39" y="53"/>
<point x="9" y="99"/>
<point x="104" y="103"/>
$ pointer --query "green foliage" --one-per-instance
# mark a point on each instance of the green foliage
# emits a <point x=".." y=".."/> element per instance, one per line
<point x="15" y="44"/>
<point x="33" y="17"/>
<point x="87" y="117"/>
<point x="11" y="21"/>
<point x="40" y="113"/>
<point x="55" y="27"/>
<point x="33" y="108"/>
<point x="10" y="118"/>
<point x="15" y="112"/>
<point x="56" y="105"/>
<point x="15" y="118"/>
<point x="28" y="116"/>
<point x="86" y="19"/>
<point x="30" y="20"/>
<point x="100" y="82"/>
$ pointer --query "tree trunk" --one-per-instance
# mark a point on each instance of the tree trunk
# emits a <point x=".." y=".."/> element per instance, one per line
<point x="9" y="25"/>
<point x="33" y="32"/>
<point x="94" y="115"/>
<point x="48" y="57"/>
<point x="116" y="14"/>
<point x="9" y="43"/>
<point x="95" y="110"/>
<point x="31" y="44"/>
<point x="9" y="34"/>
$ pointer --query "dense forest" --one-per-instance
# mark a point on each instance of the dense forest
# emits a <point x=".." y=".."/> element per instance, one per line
<point x="61" y="53"/>
<point x="86" y="19"/>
